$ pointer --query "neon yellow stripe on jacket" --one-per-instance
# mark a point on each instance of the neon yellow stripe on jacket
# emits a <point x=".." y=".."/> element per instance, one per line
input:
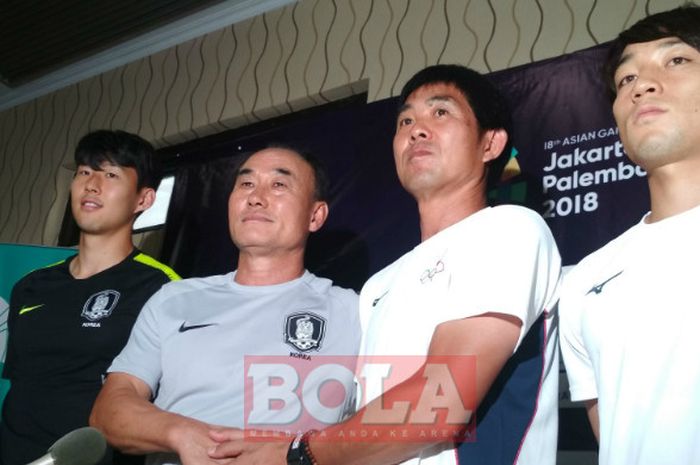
<point x="152" y="262"/>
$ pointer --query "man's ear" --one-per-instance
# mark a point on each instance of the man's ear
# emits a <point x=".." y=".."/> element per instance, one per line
<point x="318" y="215"/>
<point x="147" y="196"/>
<point x="494" y="141"/>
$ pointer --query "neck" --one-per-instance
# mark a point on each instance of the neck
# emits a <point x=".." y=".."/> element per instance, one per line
<point x="268" y="269"/>
<point x="438" y="212"/>
<point x="673" y="189"/>
<point x="96" y="253"/>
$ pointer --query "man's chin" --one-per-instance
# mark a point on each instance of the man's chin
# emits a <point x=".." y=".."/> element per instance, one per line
<point x="88" y="228"/>
<point x="258" y="241"/>
<point x="655" y="151"/>
<point x="418" y="182"/>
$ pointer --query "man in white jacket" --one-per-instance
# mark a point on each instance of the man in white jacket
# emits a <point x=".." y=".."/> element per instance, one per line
<point x="629" y="311"/>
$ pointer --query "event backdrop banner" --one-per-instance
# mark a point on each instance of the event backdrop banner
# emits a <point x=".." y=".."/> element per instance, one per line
<point x="567" y="164"/>
<point x="573" y="169"/>
<point x="16" y="261"/>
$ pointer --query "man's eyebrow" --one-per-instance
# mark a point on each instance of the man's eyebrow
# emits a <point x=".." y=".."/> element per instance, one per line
<point x="440" y="98"/>
<point x="100" y="167"/>
<point x="243" y="171"/>
<point x="285" y="172"/>
<point x="670" y="42"/>
<point x="282" y="171"/>
<point x="431" y="100"/>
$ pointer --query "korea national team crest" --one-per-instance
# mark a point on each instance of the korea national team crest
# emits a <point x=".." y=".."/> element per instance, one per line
<point x="304" y="331"/>
<point x="100" y="305"/>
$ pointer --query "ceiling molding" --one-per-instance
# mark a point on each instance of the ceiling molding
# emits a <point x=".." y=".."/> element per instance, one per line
<point x="177" y="32"/>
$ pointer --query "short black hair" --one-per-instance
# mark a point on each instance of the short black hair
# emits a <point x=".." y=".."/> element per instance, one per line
<point x="321" y="179"/>
<point x="682" y="22"/>
<point x="488" y="104"/>
<point x="120" y="148"/>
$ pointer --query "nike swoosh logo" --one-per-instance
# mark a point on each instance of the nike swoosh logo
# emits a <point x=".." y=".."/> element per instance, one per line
<point x="184" y="327"/>
<point x="597" y="289"/>
<point x="24" y="310"/>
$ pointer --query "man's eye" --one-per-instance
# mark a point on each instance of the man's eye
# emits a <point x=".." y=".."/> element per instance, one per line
<point x="111" y="175"/>
<point x="405" y="121"/>
<point x="678" y="60"/>
<point x="441" y="112"/>
<point x="279" y="184"/>
<point x="626" y="80"/>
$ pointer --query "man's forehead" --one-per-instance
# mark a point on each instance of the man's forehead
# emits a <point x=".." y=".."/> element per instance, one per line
<point x="106" y="163"/>
<point x="643" y="48"/>
<point x="275" y="161"/>
<point x="434" y="92"/>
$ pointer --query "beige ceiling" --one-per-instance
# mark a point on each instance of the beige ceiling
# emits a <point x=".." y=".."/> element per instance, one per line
<point x="47" y="44"/>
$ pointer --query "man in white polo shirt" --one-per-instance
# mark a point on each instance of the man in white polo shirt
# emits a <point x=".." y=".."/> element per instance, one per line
<point x="629" y="311"/>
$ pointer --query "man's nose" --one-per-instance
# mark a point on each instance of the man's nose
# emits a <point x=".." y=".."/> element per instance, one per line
<point x="257" y="197"/>
<point x="420" y="131"/>
<point x="645" y="83"/>
<point x="93" y="183"/>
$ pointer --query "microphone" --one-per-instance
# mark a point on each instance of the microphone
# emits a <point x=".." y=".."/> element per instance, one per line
<point x="83" y="446"/>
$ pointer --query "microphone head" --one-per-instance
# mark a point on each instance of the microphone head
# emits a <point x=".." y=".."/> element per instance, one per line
<point x="83" y="446"/>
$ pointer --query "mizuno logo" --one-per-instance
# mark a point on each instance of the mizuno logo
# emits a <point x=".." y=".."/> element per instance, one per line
<point x="597" y="289"/>
<point x="24" y="310"/>
<point x="184" y="327"/>
<point x="376" y="301"/>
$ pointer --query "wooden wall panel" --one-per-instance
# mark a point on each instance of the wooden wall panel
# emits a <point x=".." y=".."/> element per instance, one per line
<point x="304" y="54"/>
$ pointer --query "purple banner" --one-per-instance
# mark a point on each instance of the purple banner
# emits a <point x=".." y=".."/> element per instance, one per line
<point x="569" y="166"/>
<point x="573" y="169"/>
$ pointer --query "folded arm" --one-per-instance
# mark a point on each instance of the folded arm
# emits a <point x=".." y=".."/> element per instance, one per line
<point x="131" y="423"/>
<point x="491" y="338"/>
<point x="592" y="410"/>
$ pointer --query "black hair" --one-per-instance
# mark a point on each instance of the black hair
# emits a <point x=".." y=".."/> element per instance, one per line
<point x="321" y="179"/>
<point x="488" y="104"/>
<point x="682" y="22"/>
<point x="122" y="149"/>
